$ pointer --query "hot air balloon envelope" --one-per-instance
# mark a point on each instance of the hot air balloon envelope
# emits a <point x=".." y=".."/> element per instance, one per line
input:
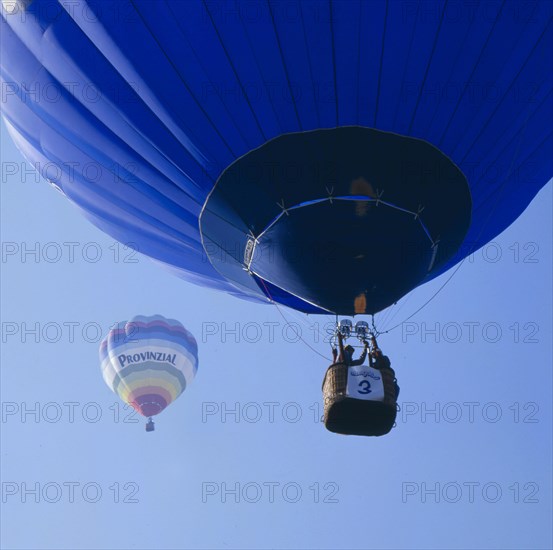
<point x="148" y="362"/>
<point x="153" y="118"/>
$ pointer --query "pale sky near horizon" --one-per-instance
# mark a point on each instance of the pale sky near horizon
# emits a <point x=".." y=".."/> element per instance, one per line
<point x="241" y="460"/>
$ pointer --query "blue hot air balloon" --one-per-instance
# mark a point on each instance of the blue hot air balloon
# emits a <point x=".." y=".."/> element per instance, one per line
<point x="330" y="156"/>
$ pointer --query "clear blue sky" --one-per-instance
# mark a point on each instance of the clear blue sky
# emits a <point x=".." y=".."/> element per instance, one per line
<point x="486" y="372"/>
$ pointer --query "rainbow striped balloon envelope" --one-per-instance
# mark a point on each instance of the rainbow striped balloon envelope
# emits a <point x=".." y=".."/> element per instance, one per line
<point x="148" y="362"/>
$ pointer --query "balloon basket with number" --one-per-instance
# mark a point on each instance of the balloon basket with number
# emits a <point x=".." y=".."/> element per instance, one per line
<point x="351" y="407"/>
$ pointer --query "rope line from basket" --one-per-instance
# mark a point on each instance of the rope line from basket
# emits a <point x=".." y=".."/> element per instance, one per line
<point x="284" y="317"/>
<point x="491" y="212"/>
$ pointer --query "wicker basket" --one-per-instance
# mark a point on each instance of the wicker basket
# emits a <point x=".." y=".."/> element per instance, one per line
<point x="347" y="415"/>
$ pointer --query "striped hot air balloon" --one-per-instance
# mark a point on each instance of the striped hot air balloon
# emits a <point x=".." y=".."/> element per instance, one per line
<point x="148" y="362"/>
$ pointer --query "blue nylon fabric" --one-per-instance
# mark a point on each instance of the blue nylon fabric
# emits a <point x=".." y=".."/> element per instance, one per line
<point x="163" y="96"/>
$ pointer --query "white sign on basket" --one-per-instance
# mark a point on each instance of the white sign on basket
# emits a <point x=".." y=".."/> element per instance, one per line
<point x="364" y="382"/>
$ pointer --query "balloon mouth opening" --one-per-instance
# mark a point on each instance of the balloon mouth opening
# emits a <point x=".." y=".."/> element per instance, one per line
<point x="148" y="408"/>
<point x="344" y="220"/>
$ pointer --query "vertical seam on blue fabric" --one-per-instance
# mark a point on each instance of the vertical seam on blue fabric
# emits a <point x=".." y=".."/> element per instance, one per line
<point x="199" y="59"/>
<point x="310" y="65"/>
<point x="480" y="55"/>
<point x="231" y="64"/>
<point x="332" y="39"/>
<point x="380" y="64"/>
<point x="175" y="68"/>
<point x="436" y="38"/>
<point x="284" y="65"/>
<point x="485" y="125"/>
